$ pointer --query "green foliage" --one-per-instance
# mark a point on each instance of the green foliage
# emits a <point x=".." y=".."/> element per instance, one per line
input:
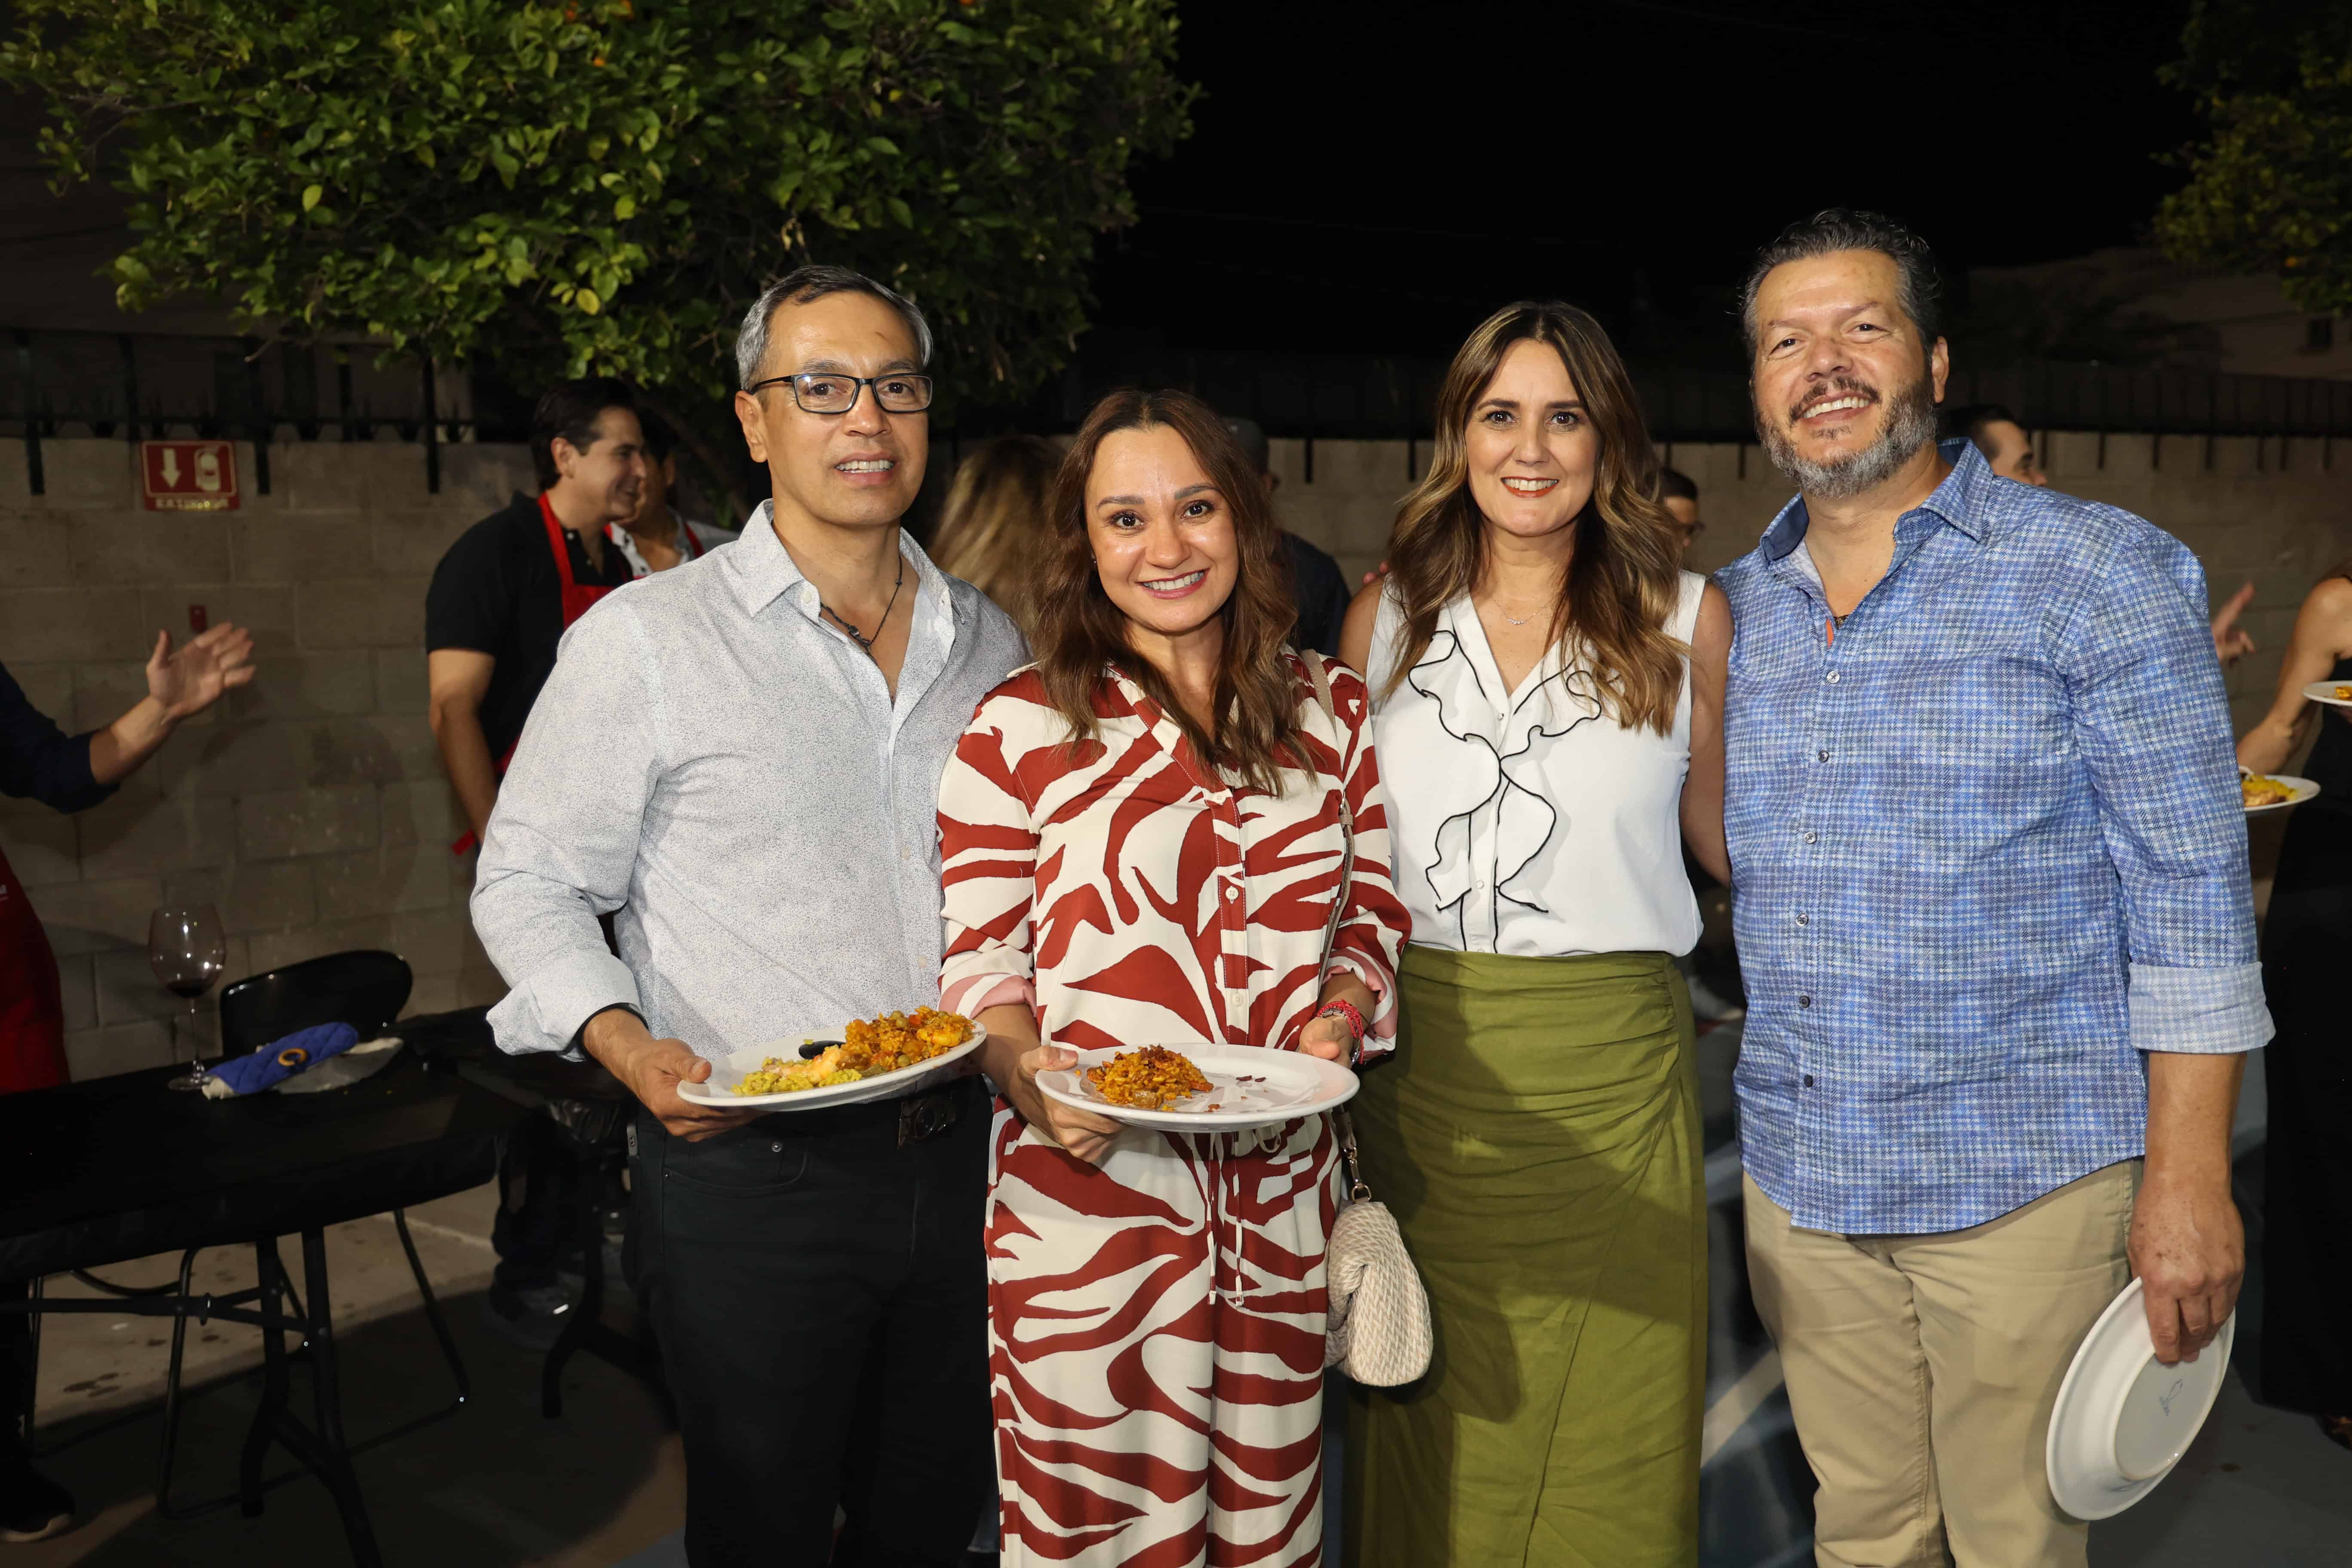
<point x="2270" y="189"/>
<point x="605" y="187"/>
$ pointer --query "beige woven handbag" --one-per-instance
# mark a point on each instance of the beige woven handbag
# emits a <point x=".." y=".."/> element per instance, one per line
<point x="1377" y="1322"/>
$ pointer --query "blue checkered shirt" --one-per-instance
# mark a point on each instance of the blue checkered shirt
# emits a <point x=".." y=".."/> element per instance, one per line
<point x="1987" y="846"/>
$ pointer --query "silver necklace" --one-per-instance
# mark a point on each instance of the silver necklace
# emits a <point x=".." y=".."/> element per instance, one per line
<point x="860" y="638"/>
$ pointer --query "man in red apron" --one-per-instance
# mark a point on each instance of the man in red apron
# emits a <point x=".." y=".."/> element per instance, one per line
<point x="39" y="762"/>
<point x="657" y="538"/>
<point x="501" y="600"/>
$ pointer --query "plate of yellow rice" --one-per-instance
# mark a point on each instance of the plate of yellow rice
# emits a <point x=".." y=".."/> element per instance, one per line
<point x="873" y="1059"/>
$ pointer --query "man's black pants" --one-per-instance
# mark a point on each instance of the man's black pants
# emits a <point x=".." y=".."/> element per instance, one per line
<point x="820" y="1290"/>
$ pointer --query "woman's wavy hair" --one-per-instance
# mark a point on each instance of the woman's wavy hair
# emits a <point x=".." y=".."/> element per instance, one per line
<point x="993" y="524"/>
<point x="1080" y="633"/>
<point x="1624" y="576"/>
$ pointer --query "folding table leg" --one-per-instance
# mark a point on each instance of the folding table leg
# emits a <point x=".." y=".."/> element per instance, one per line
<point x="270" y="1415"/>
<point x="332" y="1455"/>
<point x="433" y="1308"/>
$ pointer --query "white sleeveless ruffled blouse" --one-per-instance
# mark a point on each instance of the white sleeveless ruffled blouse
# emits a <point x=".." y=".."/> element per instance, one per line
<point x="1531" y="823"/>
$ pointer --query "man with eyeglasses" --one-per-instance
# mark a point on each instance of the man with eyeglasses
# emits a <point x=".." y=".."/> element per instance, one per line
<point x="762" y="731"/>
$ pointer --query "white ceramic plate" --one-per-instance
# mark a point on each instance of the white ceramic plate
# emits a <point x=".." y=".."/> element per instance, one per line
<point x="2325" y="691"/>
<point x="2125" y="1418"/>
<point x="729" y="1070"/>
<point x="2304" y="790"/>
<point x="1248" y="1087"/>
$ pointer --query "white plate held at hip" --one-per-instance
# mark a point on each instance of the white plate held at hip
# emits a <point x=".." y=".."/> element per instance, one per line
<point x="730" y="1068"/>
<point x="2123" y="1418"/>
<point x="1249" y="1086"/>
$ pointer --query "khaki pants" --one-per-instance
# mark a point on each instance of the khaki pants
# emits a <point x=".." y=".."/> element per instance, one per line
<point x="1922" y="1371"/>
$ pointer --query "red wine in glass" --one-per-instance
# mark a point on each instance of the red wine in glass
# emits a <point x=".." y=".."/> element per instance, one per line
<point x="186" y="949"/>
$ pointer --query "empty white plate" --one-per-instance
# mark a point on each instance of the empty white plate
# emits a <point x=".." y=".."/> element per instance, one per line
<point x="2123" y="1418"/>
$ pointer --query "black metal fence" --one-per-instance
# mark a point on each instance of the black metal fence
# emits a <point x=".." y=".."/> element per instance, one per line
<point x="149" y="385"/>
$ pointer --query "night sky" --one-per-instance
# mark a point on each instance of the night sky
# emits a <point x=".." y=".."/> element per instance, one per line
<point x="1375" y="178"/>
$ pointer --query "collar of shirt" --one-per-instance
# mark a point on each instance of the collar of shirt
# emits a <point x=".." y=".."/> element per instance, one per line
<point x="1963" y="501"/>
<point x="763" y="570"/>
<point x="760" y="570"/>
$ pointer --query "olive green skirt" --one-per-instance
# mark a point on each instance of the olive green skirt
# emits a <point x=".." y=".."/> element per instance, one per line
<point x="1537" y="1137"/>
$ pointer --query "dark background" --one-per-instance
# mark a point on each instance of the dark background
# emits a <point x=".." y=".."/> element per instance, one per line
<point x="1377" y="178"/>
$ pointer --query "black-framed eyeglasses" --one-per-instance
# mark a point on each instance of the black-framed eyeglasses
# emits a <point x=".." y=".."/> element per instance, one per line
<point x="827" y="392"/>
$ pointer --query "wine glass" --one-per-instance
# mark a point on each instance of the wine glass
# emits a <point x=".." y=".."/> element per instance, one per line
<point x="186" y="949"/>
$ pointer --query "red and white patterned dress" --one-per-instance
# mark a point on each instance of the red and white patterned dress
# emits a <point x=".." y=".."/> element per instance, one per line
<point x="1156" y="1324"/>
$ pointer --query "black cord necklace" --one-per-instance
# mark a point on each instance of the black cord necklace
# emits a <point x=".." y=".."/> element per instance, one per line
<point x="860" y="638"/>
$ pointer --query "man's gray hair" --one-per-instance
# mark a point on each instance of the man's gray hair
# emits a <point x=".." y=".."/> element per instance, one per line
<point x="1919" y="293"/>
<point x="800" y="287"/>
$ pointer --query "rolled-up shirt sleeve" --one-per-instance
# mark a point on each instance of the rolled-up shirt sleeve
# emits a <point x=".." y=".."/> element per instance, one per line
<point x="2152" y="721"/>
<point x="988" y="872"/>
<point x="563" y="840"/>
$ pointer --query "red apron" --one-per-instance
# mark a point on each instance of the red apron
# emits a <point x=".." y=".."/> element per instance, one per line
<point x="32" y="1010"/>
<point x="577" y="597"/>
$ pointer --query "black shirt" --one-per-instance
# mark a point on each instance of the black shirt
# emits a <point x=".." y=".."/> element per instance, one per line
<point x="37" y="760"/>
<point x="1322" y="592"/>
<point x="497" y="592"/>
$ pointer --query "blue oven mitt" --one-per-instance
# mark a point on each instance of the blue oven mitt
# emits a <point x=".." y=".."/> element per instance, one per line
<point x="281" y="1060"/>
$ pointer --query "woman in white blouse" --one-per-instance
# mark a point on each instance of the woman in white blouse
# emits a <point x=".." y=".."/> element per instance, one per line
<point x="1547" y="687"/>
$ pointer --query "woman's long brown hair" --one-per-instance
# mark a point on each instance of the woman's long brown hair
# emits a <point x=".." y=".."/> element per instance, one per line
<point x="1081" y="634"/>
<point x="1624" y="576"/>
<point x="994" y="522"/>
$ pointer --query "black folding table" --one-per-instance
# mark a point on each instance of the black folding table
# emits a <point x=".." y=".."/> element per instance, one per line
<point x="122" y="1167"/>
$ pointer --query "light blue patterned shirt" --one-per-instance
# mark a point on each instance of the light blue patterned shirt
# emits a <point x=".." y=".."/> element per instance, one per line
<point x="1987" y="846"/>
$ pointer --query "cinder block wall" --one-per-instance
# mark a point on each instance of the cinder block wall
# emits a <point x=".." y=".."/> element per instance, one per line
<point x="308" y="807"/>
<point x="2273" y="513"/>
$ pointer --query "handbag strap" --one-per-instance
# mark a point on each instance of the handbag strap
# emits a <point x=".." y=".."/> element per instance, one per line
<point x="1342" y="1124"/>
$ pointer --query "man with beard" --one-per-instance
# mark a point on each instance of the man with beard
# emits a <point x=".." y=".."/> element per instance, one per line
<point x="741" y="757"/>
<point x="1993" y="909"/>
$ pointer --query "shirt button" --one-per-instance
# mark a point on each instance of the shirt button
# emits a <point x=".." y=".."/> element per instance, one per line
<point x="1804" y="920"/>
<point x="1804" y="1001"/>
<point x="1809" y="1081"/>
<point x="1830" y="677"/>
<point x="1821" y="756"/>
<point x="1813" y="837"/>
<point x="778" y="1147"/>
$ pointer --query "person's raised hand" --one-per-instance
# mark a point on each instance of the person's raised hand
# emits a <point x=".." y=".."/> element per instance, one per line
<point x="200" y="674"/>
<point x="2231" y="642"/>
<point x="2187" y="1247"/>
<point x="652" y="1069"/>
<point x="1081" y="1133"/>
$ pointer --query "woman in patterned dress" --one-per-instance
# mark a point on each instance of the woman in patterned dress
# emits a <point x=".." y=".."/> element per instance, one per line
<point x="1141" y="842"/>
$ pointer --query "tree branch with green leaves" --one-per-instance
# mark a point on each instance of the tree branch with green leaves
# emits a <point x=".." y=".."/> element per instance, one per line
<point x="2270" y="187"/>
<point x="603" y="187"/>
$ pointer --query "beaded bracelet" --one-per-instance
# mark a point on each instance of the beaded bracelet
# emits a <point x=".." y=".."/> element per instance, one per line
<point x="1347" y="1013"/>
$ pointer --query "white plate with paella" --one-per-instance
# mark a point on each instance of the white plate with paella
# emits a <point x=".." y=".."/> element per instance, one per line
<point x="871" y="1058"/>
<point x="1200" y="1087"/>
<point x="2274" y="792"/>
